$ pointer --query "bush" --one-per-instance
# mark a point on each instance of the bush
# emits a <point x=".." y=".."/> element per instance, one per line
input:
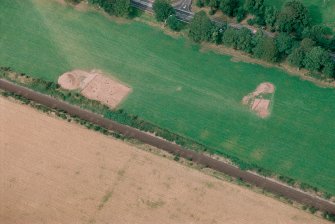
<point x="229" y="7"/>
<point x="255" y="7"/>
<point x="162" y="9"/>
<point x="173" y="23"/>
<point x="240" y="15"/>
<point x="121" y="7"/>
<point x="200" y="3"/>
<point x="244" y="40"/>
<point x="201" y="27"/>
<point x="213" y="4"/>
<point x="218" y="31"/>
<point x="315" y="59"/>
<point x="251" y="22"/>
<point x="113" y="7"/>
<point x="329" y="216"/>
<point x="293" y="18"/>
<point x="284" y="43"/>
<point x="229" y="37"/>
<point x="265" y="48"/>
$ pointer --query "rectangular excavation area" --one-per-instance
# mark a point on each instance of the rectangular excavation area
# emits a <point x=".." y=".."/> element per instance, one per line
<point x="259" y="101"/>
<point x="96" y="86"/>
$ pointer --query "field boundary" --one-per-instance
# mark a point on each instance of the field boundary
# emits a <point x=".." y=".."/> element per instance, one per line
<point x="221" y="166"/>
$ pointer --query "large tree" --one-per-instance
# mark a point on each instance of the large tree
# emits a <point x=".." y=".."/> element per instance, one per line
<point x="240" y="14"/>
<point x="218" y="31"/>
<point x="296" y="58"/>
<point x="173" y="23"/>
<point x="329" y="68"/>
<point x="316" y="58"/>
<point x="230" y="37"/>
<point x="229" y="7"/>
<point x="163" y="9"/>
<point x="201" y="27"/>
<point x="265" y="48"/>
<point x="284" y="43"/>
<point x="270" y="16"/>
<point x="244" y="40"/>
<point x="318" y="33"/>
<point x="293" y="18"/>
<point x="298" y="54"/>
<point x="121" y="7"/>
<point x="113" y="7"/>
<point x="307" y="44"/>
<point x="214" y="4"/>
<point x="255" y="7"/>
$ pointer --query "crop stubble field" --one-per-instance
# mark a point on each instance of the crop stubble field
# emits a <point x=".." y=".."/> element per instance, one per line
<point x="60" y="172"/>
<point x="178" y="87"/>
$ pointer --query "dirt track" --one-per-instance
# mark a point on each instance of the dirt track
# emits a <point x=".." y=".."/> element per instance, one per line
<point x="53" y="171"/>
<point x="259" y="181"/>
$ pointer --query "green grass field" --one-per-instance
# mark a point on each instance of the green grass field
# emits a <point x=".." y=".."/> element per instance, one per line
<point x="178" y="87"/>
<point x="322" y="11"/>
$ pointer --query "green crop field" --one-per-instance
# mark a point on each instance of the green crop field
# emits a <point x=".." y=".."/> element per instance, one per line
<point x="322" y="11"/>
<point x="176" y="86"/>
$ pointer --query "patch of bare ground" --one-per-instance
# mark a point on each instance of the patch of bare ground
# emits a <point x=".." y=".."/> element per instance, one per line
<point x="53" y="171"/>
<point x="96" y="86"/>
<point x="82" y="6"/>
<point x="62" y="2"/>
<point x="259" y="100"/>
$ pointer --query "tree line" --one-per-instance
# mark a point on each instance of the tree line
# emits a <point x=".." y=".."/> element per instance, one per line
<point x="298" y="41"/>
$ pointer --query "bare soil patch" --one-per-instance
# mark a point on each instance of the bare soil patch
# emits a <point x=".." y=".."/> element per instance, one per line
<point x="53" y="171"/>
<point x="96" y="86"/>
<point x="259" y="100"/>
<point x="82" y="6"/>
<point x="62" y="2"/>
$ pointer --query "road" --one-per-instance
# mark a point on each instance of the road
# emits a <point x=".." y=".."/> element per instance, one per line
<point x="249" y="177"/>
<point x="184" y="5"/>
<point x="184" y="13"/>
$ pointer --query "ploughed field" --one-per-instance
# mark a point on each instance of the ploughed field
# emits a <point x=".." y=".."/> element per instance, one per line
<point x="179" y="87"/>
<point x="322" y="11"/>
